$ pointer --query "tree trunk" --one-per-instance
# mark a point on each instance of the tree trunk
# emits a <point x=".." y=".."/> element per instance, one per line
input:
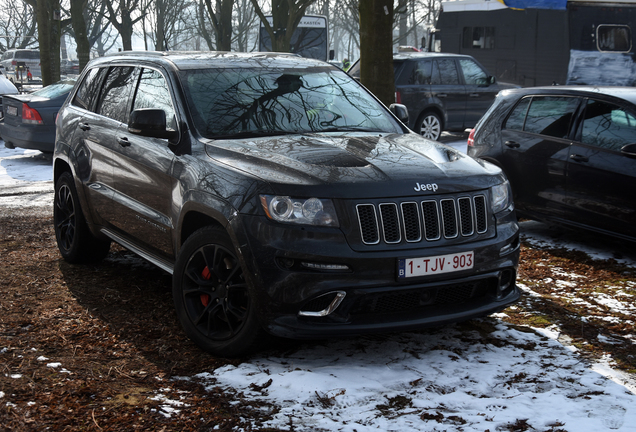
<point x="160" y="10"/>
<point x="49" y="33"/>
<point x="79" y="28"/>
<point x="376" y="48"/>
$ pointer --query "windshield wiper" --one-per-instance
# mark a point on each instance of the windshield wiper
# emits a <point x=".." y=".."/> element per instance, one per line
<point x="347" y="129"/>
<point x="254" y="134"/>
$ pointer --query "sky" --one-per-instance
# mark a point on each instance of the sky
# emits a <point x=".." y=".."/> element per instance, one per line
<point x="485" y="375"/>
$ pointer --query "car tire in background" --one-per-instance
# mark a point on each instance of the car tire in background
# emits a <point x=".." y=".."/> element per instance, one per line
<point x="212" y="298"/>
<point x="74" y="239"/>
<point x="429" y="125"/>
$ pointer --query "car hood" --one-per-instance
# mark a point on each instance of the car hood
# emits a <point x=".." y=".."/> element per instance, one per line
<point x="361" y="165"/>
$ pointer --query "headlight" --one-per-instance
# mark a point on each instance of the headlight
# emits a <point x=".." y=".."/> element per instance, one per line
<point x="501" y="197"/>
<point x="312" y="211"/>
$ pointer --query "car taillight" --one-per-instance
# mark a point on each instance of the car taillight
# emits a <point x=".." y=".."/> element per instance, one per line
<point x="471" y="138"/>
<point x="398" y="97"/>
<point x="14" y="63"/>
<point x="30" y="115"/>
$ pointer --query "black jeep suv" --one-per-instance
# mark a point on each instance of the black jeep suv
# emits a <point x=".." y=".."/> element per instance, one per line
<point x="280" y="195"/>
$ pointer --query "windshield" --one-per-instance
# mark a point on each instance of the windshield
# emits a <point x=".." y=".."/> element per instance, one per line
<point x="55" y="90"/>
<point x="226" y="102"/>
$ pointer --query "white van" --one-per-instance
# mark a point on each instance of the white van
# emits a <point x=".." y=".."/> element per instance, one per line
<point x="18" y="62"/>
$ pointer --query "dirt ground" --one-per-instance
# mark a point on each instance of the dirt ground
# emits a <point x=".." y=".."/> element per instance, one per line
<point x="114" y="326"/>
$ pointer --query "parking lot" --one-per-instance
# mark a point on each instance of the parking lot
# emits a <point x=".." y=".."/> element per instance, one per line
<point x="99" y="347"/>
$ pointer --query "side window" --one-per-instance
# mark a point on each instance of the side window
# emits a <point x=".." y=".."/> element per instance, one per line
<point x="115" y="93"/>
<point x="421" y="73"/>
<point x="153" y="92"/>
<point x="89" y="89"/>
<point x="517" y="117"/>
<point x="473" y="74"/>
<point x="551" y="115"/>
<point x="445" y="72"/>
<point x="607" y="126"/>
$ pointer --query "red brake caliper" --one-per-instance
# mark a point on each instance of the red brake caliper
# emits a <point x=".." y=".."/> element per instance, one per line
<point x="205" y="299"/>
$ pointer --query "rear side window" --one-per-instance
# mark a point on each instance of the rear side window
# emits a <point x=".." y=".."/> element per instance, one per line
<point x="28" y="54"/>
<point x="607" y="126"/>
<point x="115" y="92"/>
<point x="421" y="73"/>
<point x="89" y="89"/>
<point x="547" y="115"/>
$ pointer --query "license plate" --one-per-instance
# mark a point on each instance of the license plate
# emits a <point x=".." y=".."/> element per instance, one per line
<point x="11" y="110"/>
<point x="424" y="266"/>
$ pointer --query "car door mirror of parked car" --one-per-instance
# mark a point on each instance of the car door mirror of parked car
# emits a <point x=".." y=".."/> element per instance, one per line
<point x="401" y="112"/>
<point x="629" y="150"/>
<point x="150" y="122"/>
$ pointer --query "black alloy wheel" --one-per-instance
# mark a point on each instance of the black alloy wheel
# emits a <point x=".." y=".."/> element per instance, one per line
<point x="211" y="295"/>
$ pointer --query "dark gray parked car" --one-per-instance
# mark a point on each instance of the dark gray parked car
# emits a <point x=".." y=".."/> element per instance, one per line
<point x="281" y="196"/>
<point x="443" y="92"/>
<point x="569" y="152"/>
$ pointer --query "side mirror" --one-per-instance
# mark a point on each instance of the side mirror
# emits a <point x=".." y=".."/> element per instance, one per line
<point x="332" y="54"/>
<point x="401" y="112"/>
<point x="150" y="122"/>
<point x="491" y="80"/>
<point x="629" y="150"/>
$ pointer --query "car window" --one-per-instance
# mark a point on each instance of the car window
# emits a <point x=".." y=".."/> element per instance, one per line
<point x="234" y="101"/>
<point x="473" y="74"/>
<point x="421" y="73"/>
<point x="551" y="115"/>
<point x="444" y="72"/>
<point x="57" y="89"/>
<point x="517" y="117"/>
<point x="89" y="89"/>
<point x="153" y="92"/>
<point x="607" y="126"/>
<point x="115" y="93"/>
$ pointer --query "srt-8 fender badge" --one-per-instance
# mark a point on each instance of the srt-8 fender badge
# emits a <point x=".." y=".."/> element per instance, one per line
<point x="425" y="187"/>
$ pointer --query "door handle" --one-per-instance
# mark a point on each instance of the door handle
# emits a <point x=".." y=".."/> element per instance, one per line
<point x="579" y="158"/>
<point x="84" y="126"/>
<point x="441" y="95"/>
<point x="512" y="144"/>
<point x="474" y="95"/>
<point x="123" y="142"/>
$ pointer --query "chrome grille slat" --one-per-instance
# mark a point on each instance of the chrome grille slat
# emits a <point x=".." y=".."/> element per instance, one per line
<point x="428" y="220"/>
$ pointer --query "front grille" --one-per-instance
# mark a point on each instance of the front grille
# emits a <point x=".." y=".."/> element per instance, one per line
<point x="431" y="220"/>
<point x="412" y="300"/>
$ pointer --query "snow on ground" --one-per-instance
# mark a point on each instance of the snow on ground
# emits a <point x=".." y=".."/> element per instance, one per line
<point x="477" y="376"/>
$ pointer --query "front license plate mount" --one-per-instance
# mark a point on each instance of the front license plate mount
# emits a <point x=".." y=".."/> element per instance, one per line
<point x="437" y="264"/>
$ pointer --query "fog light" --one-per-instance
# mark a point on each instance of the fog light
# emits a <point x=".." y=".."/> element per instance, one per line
<point x="328" y="267"/>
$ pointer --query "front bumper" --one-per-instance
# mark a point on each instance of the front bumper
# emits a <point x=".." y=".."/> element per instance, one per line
<point x="291" y="272"/>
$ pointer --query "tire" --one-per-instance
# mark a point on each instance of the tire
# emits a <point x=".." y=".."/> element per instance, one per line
<point x="429" y="125"/>
<point x="212" y="298"/>
<point x="74" y="239"/>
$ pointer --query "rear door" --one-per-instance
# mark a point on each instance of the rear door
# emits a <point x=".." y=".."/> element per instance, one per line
<point x="536" y="145"/>
<point x="601" y="179"/>
<point x="95" y="137"/>
<point x="413" y="82"/>
<point x="449" y="92"/>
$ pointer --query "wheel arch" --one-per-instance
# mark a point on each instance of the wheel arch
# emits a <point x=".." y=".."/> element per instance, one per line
<point x="433" y="109"/>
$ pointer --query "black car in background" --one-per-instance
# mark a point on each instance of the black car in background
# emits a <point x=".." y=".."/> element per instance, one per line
<point x="569" y="153"/>
<point x="281" y="196"/>
<point x="443" y="92"/>
<point x="29" y="119"/>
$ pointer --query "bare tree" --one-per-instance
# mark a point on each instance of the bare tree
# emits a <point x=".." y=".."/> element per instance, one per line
<point x="17" y="25"/>
<point x="286" y="15"/>
<point x="220" y="13"/>
<point x="246" y="26"/>
<point x="120" y="14"/>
